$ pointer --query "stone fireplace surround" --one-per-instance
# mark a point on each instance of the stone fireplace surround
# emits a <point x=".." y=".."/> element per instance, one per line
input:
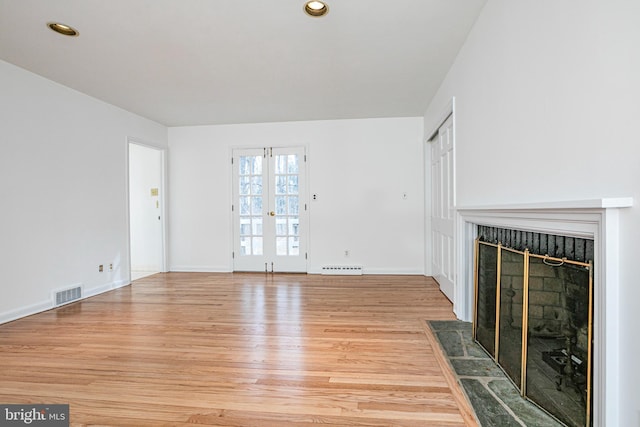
<point x="595" y="219"/>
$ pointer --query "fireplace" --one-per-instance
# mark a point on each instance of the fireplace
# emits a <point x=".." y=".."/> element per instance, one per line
<point x="596" y="220"/>
<point x="534" y="316"/>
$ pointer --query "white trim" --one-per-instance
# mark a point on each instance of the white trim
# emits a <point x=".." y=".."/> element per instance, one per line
<point x="49" y="304"/>
<point x="201" y="269"/>
<point x="99" y="290"/>
<point x="380" y="271"/>
<point x="393" y="271"/>
<point x="426" y="181"/>
<point x="19" y="313"/>
<point x="120" y="284"/>
<point x="594" y="219"/>
<point x="606" y="203"/>
<point x="164" y="204"/>
<point x="230" y="203"/>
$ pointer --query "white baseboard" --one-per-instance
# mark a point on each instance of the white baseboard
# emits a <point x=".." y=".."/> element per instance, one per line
<point x="97" y="290"/>
<point x="9" y="316"/>
<point x="395" y="271"/>
<point x="120" y="284"/>
<point x="145" y="268"/>
<point x="29" y="310"/>
<point x="200" y="269"/>
<point x="380" y="271"/>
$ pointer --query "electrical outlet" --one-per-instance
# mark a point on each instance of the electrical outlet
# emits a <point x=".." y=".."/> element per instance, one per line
<point x="110" y="267"/>
<point x="346" y="253"/>
<point x="101" y="268"/>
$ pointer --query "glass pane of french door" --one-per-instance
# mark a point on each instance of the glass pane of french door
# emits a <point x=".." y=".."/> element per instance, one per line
<point x="269" y="210"/>
<point x="250" y="202"/>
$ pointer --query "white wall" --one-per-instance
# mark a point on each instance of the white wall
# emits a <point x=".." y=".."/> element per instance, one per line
<point x="63" y="190"/>
<point x="359" y="170"/>
<point x="548" y="109"/>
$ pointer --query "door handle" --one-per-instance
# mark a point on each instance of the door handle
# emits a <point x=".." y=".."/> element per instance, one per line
<point x="272" y="213"/>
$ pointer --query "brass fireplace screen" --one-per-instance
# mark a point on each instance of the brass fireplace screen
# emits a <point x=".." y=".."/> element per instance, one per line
<point x="534" y="316"/>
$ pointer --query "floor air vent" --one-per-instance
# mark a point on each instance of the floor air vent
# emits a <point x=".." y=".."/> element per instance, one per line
<point x="343" y="270"/>
<point x="68" y="295"/>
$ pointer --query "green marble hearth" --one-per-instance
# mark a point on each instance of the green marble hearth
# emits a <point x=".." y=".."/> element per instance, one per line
<point x="495" y="400"/>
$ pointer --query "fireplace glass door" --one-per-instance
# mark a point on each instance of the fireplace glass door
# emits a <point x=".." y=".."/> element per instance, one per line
<point x="534" y="316"/>
<point x="510" y="322"/>
<point x="486" y="279"/>
<point x="559" y="339"/>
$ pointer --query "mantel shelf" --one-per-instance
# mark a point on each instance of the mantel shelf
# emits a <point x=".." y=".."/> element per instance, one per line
<point x="605" y="203"/>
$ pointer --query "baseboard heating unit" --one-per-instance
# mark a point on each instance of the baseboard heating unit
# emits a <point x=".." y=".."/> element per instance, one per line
<point x="342" y="270"/>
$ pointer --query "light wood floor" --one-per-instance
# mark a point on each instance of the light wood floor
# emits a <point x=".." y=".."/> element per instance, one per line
<point x="240" y="350"/>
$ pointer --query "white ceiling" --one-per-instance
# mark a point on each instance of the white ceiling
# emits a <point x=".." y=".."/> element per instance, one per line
<point x="191" y="62"/>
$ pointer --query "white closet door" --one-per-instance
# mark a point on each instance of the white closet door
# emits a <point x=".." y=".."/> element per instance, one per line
<point x="443" y="200"/>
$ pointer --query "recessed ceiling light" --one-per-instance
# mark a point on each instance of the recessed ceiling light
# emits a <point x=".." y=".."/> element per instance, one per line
<point x="316" y="8"/>
<point x="63" y="29"/>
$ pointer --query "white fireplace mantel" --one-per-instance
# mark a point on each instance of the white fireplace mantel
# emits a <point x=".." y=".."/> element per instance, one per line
<point x="608" y="203"/>
<point x="595" y="219"/>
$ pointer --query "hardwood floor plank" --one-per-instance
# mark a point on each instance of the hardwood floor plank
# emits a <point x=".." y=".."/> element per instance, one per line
<point x="240" y="350"/>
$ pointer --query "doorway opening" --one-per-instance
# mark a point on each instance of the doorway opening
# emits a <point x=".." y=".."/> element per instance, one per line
<point x="146" y="208"/>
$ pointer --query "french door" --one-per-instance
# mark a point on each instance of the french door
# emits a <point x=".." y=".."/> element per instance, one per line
<point x="269" y="209"/>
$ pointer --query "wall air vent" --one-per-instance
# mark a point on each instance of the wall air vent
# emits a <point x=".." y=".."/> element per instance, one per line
<point x="345" y="270"/>
<point x="68" y="295"/>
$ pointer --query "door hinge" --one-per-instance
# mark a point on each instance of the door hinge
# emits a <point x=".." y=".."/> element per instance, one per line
<point x="306" y="255"/>
<point x="305" y="158"/>
<point x="231" y="208"/>
<point x="232" y="160"/>
<point x="264" y="153"/>
<point x="270" y="151"/>
<point x="305" y="206"/>
<point x="233" y="255"/>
